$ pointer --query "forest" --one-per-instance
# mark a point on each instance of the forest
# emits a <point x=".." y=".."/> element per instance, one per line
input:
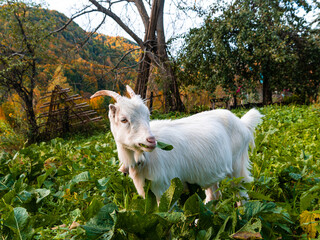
<point x="65" y="184"/>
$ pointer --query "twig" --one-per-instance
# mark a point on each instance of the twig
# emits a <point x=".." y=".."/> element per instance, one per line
<point x="122" y="58"/>
<point x="93" y="32"/>
<point x="70" y="20"/>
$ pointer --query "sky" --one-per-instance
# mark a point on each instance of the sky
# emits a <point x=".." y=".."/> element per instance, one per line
<point x="175" y="22"/>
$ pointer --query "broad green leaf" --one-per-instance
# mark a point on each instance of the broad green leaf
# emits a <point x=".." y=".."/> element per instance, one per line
<point x="285" y="227"/>
<point x="102" y="224"/>
<point x="259" y="196"/>
<point x="207" y="216"/>
<point x="102" y="183"/>
<point x="25" y="196"/>
<point x="173" y="217"/>
<point x="19" y="184"/>
<point x="75" y="214"/>
<point x="93" y="208"/>
<point x="44" y="176"/>
<point x="192" y="205"/>
<point x="137" y="204"/>
<point x="135" y="222"/>
<point x="254" y="225"/>
<point x="204" y="235"/>
<point x="6" y="182"/>
<point x="295" y="176"/>
<point x="11" y="219"/>
<point x="253" y="208"/>
<point x="82" y="177"/>
<point x="9" y="196"/>
<point x="308" y="196"/>
<point x="150" y="199"/>
<point x="94" y="232"/>
<point x="164" y="146"/>
<point x="171" y="195"/>
<point x="21" y="216"/>
<point x="41" y="194"/>
<point x="17" y="220"/>
<point x="63" y="170"/>
<point x="222" y="228"/>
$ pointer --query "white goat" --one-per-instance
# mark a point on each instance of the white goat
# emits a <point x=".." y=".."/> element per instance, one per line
<point x="208" y="146"/>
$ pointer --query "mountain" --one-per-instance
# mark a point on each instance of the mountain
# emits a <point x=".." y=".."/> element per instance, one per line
<point x="85" y="63"/>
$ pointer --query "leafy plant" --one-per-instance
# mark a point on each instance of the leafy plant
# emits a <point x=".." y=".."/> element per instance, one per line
<point x="71" y="189"/>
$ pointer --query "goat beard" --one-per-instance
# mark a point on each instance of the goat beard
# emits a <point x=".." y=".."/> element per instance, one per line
<point x="139" y="158"/>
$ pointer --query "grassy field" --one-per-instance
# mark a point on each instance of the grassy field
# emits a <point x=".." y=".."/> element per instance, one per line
<point x="71" y="189"/>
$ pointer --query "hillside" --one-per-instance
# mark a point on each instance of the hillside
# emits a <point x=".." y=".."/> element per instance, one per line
<point x="81" y="63"/>
<point x="96" y="50"/>
<point x="87" y="68"/>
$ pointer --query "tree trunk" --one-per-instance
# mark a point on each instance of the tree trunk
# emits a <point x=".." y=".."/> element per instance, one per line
<point x="149" y="46"/>
<point x="33" y="135"/>
<point x="143" y="76"/>
<point x="266" y="91"/>
<point x="171" y="91"/>
<point x="170" y="87"/>
<point x="235" y="103"/>
<point x="33" y="129"/>
<point x="151" y="102"/>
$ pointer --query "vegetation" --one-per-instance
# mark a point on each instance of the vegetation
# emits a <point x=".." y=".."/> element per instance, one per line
<point x="71" y="189"/>
<point x="35" y="56"/>
<point x="20" y="48"/>
<point x="247" y="45"/>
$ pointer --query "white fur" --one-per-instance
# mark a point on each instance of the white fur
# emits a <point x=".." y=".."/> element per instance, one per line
<point x="208" y="146"/>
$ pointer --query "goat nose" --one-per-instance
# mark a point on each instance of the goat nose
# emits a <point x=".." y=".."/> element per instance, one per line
<point x="151" y="139"/>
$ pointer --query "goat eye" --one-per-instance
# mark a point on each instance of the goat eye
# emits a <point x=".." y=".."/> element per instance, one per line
<point x="124" y="120"/>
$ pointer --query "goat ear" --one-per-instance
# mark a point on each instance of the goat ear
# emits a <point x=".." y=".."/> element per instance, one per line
<point x="130" y="91"/>
<point x="112" y="109"/>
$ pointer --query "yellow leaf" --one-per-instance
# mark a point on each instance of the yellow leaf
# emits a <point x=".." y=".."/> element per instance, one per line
<point x="74" y="225"/>
<point x="308" y="222"/>
<point x="246" y="235"/>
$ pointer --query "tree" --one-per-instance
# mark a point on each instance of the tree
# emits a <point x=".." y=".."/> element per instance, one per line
<point x="22" y="34"/>
<point x="153" y="46"/>
<point x="250" y="43"/>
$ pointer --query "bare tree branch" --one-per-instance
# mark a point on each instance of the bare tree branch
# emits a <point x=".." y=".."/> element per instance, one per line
<point x="117" y="20"/>
<point x="70" y="20"/>
<point x="143" y="13"/>
<point x="115" y="2"/>
<point x="93" y="32"/>
<point x="124" y="56"/>
<point x="23" y="33"/>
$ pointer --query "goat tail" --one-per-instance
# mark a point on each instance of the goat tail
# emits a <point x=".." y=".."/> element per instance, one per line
<point x="251" y="120"/>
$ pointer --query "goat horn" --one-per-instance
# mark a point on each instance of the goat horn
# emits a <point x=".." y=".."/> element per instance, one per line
<point x="130" y="91"/>
<point x="112" y="94"/>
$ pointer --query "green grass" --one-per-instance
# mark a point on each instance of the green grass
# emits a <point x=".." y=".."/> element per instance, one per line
<point x="46" y="187"/>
